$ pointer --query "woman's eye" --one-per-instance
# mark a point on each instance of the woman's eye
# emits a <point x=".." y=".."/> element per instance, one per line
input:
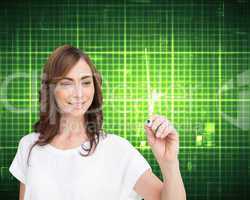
<point x="86" y="83"/>
<point x="65" y="84"/>
<point x="68" y="84"/>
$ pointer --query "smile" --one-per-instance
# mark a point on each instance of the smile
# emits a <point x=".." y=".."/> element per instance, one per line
<point x="76" y="104"/>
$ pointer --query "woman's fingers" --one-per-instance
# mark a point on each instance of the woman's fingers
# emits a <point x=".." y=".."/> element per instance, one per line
<point x="161" y="129"/>
<point x="160" y="126"/>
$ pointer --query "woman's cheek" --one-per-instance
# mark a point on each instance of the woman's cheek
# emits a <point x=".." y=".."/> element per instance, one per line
<point x="61" y="97"/>
<point x="90" y="93"/>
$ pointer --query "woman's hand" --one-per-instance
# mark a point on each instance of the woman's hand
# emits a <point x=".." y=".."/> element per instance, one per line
<point x="162" y="138"/>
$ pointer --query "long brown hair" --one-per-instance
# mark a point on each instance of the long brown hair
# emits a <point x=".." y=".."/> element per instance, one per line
<point x="58" y="65"/>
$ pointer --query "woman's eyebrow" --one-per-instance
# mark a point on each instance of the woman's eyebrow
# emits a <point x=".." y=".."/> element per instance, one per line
<point x="70" y="79"/>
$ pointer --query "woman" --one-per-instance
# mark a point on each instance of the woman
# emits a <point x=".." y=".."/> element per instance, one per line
<point x="68" y="156"/>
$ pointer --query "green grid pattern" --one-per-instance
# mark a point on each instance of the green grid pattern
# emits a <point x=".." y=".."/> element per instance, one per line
<point x="190" y="59"/>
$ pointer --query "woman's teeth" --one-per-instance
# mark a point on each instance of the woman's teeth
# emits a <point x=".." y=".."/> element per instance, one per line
<point x="76" y="104"/>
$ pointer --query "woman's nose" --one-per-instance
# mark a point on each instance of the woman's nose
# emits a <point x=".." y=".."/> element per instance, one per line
<point x="78" y="91"/>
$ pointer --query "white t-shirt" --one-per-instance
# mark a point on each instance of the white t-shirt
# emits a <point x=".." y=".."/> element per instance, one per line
<point x="55" y="174"/>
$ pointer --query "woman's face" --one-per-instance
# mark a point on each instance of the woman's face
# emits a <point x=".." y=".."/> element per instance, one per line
<point x="74" y="93"/>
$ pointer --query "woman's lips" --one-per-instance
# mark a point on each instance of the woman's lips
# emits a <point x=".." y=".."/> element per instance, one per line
<point x="77" y="105"/>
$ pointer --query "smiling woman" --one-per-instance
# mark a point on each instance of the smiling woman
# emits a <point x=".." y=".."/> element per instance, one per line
<point x="68" y="142"/>
<point x="70" y="99"/>
<point x="69" y="156"/>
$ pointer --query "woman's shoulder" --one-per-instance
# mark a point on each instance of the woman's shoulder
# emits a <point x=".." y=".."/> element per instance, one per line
<point x="29" y="138"/>
<point x="115" y="137"/>
<point x="118" y="140"/>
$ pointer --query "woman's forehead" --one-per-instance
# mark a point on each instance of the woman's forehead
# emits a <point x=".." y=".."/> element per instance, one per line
<point x="80" y="69"/>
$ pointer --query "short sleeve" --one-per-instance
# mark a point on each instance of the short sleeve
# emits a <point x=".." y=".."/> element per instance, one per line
<point x="136" y="166"/>
<point x="18" y="166"/>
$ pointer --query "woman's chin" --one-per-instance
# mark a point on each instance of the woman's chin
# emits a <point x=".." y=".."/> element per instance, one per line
<point x="77" y="113"/>
<point x="74" y="113"/>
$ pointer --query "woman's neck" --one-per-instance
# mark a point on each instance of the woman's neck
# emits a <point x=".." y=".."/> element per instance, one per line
<point x="72" y="127"/>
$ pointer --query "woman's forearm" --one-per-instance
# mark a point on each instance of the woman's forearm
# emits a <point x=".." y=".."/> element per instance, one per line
<point x="173" y="187"/>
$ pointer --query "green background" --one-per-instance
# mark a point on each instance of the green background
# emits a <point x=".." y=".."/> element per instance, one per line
<point x="191" y="57"/>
